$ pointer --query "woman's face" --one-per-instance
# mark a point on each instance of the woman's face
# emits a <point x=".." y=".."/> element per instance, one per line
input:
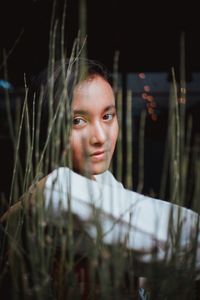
<point x="94" y="128"/>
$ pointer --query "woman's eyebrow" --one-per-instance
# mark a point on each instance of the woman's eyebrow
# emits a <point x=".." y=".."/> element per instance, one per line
<point x="80" y="112"/>
<point x="109" y="107"/>
<point x="85" y="112"/>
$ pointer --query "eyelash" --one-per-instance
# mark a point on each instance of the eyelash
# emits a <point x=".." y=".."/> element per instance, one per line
<point x="79" y="119"/>
<point x="111" y="115"/>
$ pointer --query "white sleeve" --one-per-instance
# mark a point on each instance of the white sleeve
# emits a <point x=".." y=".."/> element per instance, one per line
<point x="141" y="222"/>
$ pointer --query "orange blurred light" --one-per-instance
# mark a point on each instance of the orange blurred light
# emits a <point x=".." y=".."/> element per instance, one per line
<point x="149" y="98"/>
<point x="144" y="95"/>
<point x="150" y="110"/>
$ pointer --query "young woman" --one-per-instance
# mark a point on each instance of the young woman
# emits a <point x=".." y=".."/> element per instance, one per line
<point x="141" y="222"/>
<point x="153" y="229"/>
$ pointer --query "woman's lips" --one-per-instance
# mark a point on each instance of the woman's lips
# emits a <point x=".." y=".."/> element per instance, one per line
<point x="98" y="155"/>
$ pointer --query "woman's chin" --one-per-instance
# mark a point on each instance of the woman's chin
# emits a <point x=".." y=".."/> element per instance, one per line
<point x="91" y="169"/>
<point x="99" y="169"/>
<point x="95" y="169"/>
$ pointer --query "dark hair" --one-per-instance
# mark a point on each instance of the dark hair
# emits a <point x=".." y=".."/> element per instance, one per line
<point x="56" y="83"/>
<point x="65" y="76"/>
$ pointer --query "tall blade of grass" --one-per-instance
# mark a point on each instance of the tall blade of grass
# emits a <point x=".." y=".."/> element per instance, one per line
<point x="119" y="141"/>
<point x="17" y="151"/>
<point x="30" y="133"/>
<point x="115" y="85"/>
<point x="63" y="34"/>
<point x="182" y="112"/>
<point x="38" y="169"/>
<point x="141" y="152"/>
<point x="175" y="144"/>
<point x="129" y="126"/>
<point x="83" y="25"/>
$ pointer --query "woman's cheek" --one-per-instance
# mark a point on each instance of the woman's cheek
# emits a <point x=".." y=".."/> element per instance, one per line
<point x="74" y="144"/>
<point x="77" y="144"/>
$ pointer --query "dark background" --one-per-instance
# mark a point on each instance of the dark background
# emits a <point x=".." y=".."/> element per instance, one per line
<point x="146" y="33"/>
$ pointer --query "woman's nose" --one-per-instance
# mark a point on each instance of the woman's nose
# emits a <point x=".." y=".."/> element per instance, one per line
<point x="98" y="134"/>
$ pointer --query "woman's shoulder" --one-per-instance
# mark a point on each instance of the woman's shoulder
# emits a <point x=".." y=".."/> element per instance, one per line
<point x="26" y="202"/>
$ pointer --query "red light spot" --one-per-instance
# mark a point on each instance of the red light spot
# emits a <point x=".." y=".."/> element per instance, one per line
<point x="182" y="100"/>
<point x="154" y="117"/>
<point x="147" y="88"/>
<point x="141" y="75"/>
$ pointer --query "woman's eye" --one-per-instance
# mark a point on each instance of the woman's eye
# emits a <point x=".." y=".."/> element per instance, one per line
<point x="78" y="121"/>
<point x="108" y="117"/>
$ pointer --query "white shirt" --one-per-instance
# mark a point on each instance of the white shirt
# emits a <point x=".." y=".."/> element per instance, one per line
<point x="141" y="223"/>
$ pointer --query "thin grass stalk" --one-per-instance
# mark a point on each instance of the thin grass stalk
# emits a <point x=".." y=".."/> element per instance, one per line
<point x="17" y="152"/>
<point x="55" y="140"/>
<point x="171" y="139"/>
<point x="52" y="39"/>
<point x="185" y="163"/>
<point x="28" y="141"/>
<point x="175" y="132"/>
<point x="37" y="132"/>
<point x="65" y="130"/>
<point x="141" y="151"/>
<point x="177" y="168"/>
<point x="119" y="160"/>
<point x="83" y="25"/>
<point x="171" y="152"/>
<point x="50" y="150"/>
<point x="31" y="169"/>
<point x="63" y="51"/>
<point x="196" y="166"/>
<point x="6" y="56"/>
<point x="63" y="34"/>
<point x="28" y="177"/>
<point x="115" y="86"/>
<point x="182" y="112"/>
<point x="169" y="149"/>
<point x="50" y="75"/>
<point x="129" y="126"/>
<point x="164" y="176"/>
<point x="20" y="173"/>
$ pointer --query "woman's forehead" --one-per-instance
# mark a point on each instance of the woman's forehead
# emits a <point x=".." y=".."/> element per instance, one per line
<point x="93" y="91"/>
<point x="93" y="83"/>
